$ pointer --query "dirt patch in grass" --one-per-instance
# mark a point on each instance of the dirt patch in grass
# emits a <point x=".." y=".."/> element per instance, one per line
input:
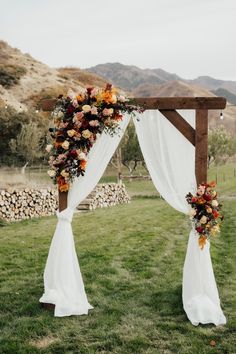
<point x="43" y="342"/>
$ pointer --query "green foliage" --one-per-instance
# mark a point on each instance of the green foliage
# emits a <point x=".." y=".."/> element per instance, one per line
<point x="16" y="127"/>
<point x="11" y="74"/>
<point x="131" y="153"/>
<point x="221" y="146"/>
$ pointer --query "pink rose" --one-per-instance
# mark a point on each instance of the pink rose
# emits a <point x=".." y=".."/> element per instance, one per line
<point x="94" y="123"/>
<point x="94" y="111"/>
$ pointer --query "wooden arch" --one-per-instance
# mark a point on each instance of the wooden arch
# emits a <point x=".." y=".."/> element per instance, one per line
<point x="168" y="106"/>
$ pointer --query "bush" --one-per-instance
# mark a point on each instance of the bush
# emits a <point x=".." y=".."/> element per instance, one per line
<point x="11" y="74"/>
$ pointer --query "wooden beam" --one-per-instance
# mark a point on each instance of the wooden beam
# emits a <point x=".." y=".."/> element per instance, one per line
<point x="62" y="199"/>
<point x="180" y="123"/>
<point x="181" y="102"/>
<point x="201" y="145"/>
<point x="162" y="103"/>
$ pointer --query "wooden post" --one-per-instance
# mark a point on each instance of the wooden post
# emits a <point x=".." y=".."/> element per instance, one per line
<point x="62" y="200"/>
<point x="201" y="145"/>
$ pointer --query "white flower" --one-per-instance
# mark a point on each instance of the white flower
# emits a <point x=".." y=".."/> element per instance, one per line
<point x="75" y="103"/>
<point x="86" y="108"/>
<point x="51" y="173"/>
<point x="60" y="114"/>
<point x="71" y="132"/>
<point x="86" y="134"/>
<point x="94" y="110"/>
<point x="65" y="145"/>
<point x="203" y="219"/>
<point x="64" y="173"/>
<point x="49" y="148"/>
<point x="122" y="98"/>
<point x="214" y="203"/>
<point x="81" y="156"/>
<point x="192" y="212"/>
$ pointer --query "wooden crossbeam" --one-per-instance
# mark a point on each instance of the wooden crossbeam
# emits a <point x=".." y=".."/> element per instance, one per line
<point x="180" y="123"/>
<point x="181" y="102"/>
<point x="162" y="103"/>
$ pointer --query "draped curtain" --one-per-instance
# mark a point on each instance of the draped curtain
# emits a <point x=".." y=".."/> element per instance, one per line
<point x="63" y="283"/>
<point x="170" y="159"/>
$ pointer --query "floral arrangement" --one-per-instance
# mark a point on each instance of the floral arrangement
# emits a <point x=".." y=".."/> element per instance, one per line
<point x="205" y="212"/>
<point x="78" y="119"/>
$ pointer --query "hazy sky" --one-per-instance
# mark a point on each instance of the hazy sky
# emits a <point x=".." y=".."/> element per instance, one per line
<point x="186" y="37"/>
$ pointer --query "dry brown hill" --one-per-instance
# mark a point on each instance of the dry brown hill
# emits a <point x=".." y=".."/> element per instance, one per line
<point x="24" y="81"/>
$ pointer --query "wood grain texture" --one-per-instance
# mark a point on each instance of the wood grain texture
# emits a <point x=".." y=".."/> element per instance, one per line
<point x="201" y="145"/>
<point x="181" y="102"/>
<point x="62" y="196"/>
<point x="162" y="103"/>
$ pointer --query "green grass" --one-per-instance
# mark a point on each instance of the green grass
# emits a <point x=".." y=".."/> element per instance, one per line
<point x="131" y="257"/>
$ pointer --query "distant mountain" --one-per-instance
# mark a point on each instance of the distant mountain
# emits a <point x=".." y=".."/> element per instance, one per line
<point x="231" y="98"/>
<point x="129" y="77"/>
<point x="214" y="84"/>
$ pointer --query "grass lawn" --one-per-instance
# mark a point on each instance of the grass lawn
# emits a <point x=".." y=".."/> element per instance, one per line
<point x="131" y="258"/>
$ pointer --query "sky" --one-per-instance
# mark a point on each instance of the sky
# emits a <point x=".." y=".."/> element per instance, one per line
<point x="187" y="37"/>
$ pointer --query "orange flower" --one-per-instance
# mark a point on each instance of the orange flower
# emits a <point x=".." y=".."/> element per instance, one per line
<point x="83" y="164"/>
<point x="63" y="186"/>
<point x="212" y="184"/>
<point x="107" y="96"/>
<point x="57" y="144"/>
<point x="215" y="213"/>
<point x="201" y="201"/>
<point x="202" y="241"/>
<point x="79" y="98"/>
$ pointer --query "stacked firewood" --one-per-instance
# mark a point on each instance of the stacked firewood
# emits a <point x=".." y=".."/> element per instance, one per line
<point x="19" y="204"/>
<point x="105" y="195"/>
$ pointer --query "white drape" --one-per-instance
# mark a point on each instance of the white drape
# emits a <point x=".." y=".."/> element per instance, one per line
<point x="170" y="159"/>
<point x="63" y="283"/>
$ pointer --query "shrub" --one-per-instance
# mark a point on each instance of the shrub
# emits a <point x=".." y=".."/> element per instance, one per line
<point x="11" y="74"/>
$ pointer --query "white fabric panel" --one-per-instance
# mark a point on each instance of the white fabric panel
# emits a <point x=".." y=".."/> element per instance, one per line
<point x="63" y="283"/>
<point x="170" y="159"/>
<point x="200" y="295"/>
<point x="99" y="157"/>
<point x="168" y="155"/>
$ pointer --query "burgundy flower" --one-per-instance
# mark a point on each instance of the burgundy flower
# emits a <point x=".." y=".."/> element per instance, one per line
<point x="207" y="196"/>
<point x="70" y="109"/>
<point x="73" y="154"/>
<point x="89" y="90"/>
<point x="200" y="229"/>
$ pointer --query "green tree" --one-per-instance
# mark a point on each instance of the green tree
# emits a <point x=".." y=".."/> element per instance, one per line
<point x="221" y="146"/>
<point x="11" y="123"/>
<point x="131" y="153"/>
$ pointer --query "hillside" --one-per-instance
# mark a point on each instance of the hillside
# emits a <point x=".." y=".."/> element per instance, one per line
<point x="157" y="82"/>
<point x="24" y="81"/>
<point x="129" y="77"/>
<point x="214" y="84"/>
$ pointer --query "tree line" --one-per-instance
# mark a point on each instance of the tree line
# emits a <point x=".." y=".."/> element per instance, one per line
<point x="24" y="135"/>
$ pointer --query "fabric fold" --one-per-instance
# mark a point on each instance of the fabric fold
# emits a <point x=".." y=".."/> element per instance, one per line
<point x="170" y="159"/>
<point x="63" y="283"/>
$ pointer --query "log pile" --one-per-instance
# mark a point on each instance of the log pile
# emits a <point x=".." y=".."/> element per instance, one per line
<point x="19" y="204"/>
<point x="105" y="195"/>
